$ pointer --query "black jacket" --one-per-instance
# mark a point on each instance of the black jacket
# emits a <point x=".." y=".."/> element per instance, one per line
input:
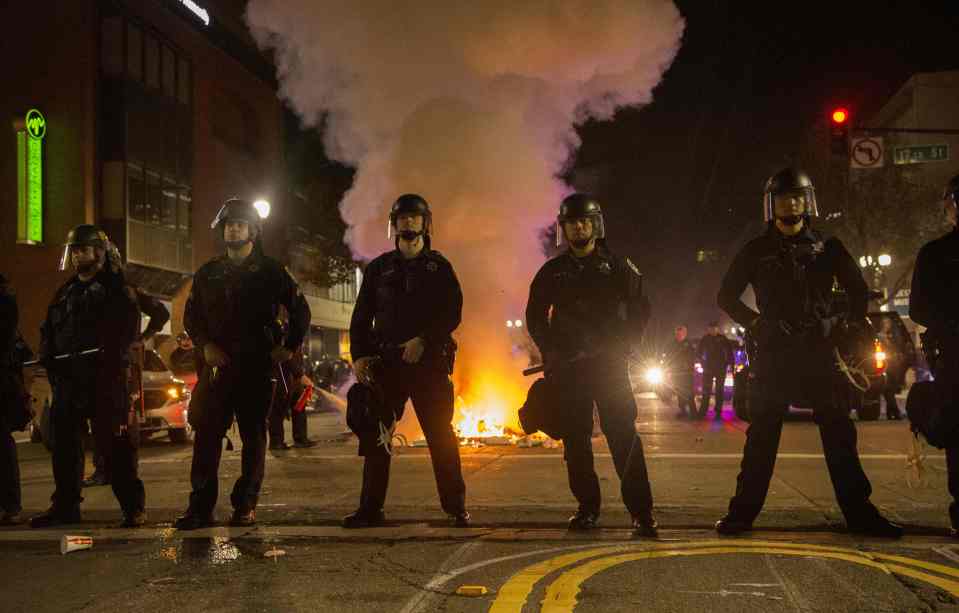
<point x="934" y="298"/>
<point x="793" y="279"/>
<point x="232" y="305"/>
<point x="401" y="299"/>
<point x="97" y="314"/>
<point x="591" y="304"/>
<point x="716" y="352"/>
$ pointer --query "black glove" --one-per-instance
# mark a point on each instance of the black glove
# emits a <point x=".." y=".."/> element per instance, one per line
<point x="767" y="330"/>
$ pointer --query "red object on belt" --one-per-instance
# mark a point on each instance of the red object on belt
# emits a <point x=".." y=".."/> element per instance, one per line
<point x="305" y="397"/>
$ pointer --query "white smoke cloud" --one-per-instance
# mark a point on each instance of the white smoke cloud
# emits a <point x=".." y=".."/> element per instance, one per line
<point x="471" y="104"/>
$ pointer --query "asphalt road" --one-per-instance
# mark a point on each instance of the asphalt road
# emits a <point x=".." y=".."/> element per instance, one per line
<point x="518" y="555"/>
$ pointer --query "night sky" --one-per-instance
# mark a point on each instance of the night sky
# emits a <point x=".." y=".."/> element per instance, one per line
<point x="687" y="171"/>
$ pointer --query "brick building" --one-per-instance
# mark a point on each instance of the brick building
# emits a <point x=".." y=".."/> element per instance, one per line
<point x="154" y="112"/>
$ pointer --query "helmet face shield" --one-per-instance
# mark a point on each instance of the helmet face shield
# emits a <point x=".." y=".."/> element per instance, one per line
<point x="86" y="235"/>
<point x="793" y="202"/>
<point x="596" y="221"/>
<point x="580" y="206"/>
<point x="410" y="204"/>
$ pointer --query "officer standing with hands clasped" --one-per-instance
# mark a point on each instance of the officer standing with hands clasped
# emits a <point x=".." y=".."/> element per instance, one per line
<point x="934" y="303"/>
<point x="586" y="310"/>
<point x="716" y="353"/>
<point x="85" y="348"/>
<point x="682" y="362"/>
<point x="408" y="306"/>
<point x="792" y="269"/>
<point x="231" y="316"/>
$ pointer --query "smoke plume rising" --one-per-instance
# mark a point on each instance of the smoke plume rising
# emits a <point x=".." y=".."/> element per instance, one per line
<point x="473" y="105"/>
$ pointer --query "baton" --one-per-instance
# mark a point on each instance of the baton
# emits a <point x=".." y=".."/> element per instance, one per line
<point x="64" y="356"/>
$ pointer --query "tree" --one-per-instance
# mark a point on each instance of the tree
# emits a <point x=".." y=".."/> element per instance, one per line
<point x="316" y="185"/>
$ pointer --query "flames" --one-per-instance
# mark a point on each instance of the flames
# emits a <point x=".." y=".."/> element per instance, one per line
<point x="488" y="414"/>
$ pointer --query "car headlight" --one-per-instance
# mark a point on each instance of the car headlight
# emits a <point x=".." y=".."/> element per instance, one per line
<point x="654" y="375"/>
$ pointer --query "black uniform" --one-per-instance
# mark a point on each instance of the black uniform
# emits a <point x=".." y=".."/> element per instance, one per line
<point x="401" y="299"/>
<point x="716" y="353"/>
<point x="793" y="280"/>
<point x="100" y="313"/>
<point x="598" y="309"/>
<point x="934" y="303"/>
<point x="233" y="306"/>
<point x="11" y="399"/>
<point x="158" y="315"/>
<point x="682" y="363"/>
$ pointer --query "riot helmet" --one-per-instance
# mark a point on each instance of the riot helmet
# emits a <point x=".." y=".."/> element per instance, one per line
<point x="238" y="209"/>
<point x="89" y="235"/>
<point x="580" y="206"/>
<point x="411" y="204"/>
<point x="790" y="182"/>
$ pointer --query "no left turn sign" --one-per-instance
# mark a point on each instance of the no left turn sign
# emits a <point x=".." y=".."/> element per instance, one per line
<point x="866" y="152"/>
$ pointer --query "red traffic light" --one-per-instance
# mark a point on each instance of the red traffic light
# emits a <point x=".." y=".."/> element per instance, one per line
<point x="839" y="116"/>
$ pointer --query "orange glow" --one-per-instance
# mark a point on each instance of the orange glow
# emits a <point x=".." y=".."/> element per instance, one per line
<point x="489" y="409"/>
<point x="840" y="116"/>
<point x="880" y="356"/>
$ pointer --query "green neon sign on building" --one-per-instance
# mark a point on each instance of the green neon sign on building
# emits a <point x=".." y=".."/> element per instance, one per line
<point x="30" y="178"/>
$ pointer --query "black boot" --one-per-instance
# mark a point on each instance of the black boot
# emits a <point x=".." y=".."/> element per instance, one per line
<point x="192" y="520"/>
<point x="584" y="520"/>
<point x="644" y="524"/>
<point x="460" y="520"/>
<point x="877" y="526"/>
<point x="730" y="526"/>
<point x="364" y="518"/>
<point x="55" y="517"/>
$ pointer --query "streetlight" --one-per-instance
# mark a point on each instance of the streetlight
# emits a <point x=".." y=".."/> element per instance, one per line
<point x="518" y="323"/>
<point x="509" y="323"/>
<point x="262" y="208"/>
<point x="885" y="259"/>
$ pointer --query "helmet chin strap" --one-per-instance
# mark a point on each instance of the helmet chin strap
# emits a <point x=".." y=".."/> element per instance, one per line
<point x="238" y="244"/>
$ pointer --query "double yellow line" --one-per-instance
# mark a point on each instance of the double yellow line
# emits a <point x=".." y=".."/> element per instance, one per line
<point x="562" y="592"/>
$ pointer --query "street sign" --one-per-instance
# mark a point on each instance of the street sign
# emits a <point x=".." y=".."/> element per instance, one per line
<point x="866" y="152"/>
<point x="920" y="154"/>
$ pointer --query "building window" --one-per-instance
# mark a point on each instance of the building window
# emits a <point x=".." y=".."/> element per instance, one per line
<point x="134" y="52"/>
<point x="153" y="62"/>
<point x="111" y="50"/>
<point x="147" y="82"/>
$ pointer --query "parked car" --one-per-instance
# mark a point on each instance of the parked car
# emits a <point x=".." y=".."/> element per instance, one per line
<point x="166" y="401"/>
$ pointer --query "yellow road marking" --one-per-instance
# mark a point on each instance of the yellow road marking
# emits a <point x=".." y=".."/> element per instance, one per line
<point x="514" y="593"/>
<point x="561" y="594"/>
<point x="512" y="596"/>
<point x="939" y="568"/>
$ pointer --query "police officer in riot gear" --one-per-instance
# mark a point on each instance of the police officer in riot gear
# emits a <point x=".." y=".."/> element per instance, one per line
<point x="230" y="315"/>
<point x="85" y="348"/>
<point x="408" y="306"/>
<point x="792" y="269"/>
<point x="586" y="309"/>
<point x="934" y="303"/>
